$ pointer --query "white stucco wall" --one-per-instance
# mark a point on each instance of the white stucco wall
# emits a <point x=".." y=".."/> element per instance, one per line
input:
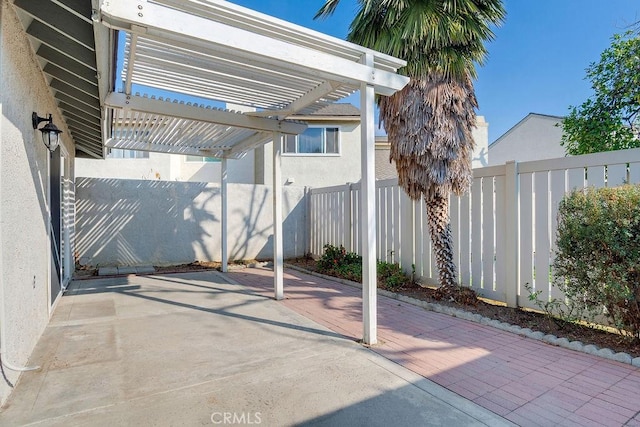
<point x="240" y="171"/>
<point x="480" y="136"/>
<point x="128" y="222"/>
<point x="157" y="166"/>
<point x="168" y="167"/>
<point x="536" y="137"/>
<point x="321" y="170"/>
<point x="24" y="243"/>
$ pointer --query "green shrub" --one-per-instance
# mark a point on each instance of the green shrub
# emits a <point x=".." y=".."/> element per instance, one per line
<point x="391" y="276"/>
<point x="335" y="256"/>
<point x="336" y="261"/>
<point x="351" y="272"/>
<point x="597" y="262"/>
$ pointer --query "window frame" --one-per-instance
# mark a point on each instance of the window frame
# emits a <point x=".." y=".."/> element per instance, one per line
<point x="139" y="154"/>
<point x="202" y="159"/>
<point x="297" y="154"/>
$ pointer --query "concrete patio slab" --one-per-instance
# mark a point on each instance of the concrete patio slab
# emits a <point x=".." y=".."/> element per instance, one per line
<point x="107" y="271"/>
<point x="127" y="270"/>
<point x="145" y="269"/>
<point x="194" y="349"/>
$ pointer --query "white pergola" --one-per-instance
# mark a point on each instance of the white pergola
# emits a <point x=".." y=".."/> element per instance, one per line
<point x="217" y="50"/>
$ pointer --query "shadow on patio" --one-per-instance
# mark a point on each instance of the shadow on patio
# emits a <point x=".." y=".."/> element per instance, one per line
<point x="188" y="349"/>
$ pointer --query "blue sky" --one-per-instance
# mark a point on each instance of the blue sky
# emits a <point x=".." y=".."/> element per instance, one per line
<point x="536" y="63"/>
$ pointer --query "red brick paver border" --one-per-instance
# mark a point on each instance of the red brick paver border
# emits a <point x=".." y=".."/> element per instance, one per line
<point x="529" y="382"/>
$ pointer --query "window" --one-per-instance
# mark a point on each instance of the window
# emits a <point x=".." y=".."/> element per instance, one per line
<point x="315" y="140"/>
<point x="118" y="153"/>
<point x="201" y="159"/>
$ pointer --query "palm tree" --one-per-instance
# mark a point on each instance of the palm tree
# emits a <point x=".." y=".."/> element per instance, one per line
<point x="429" y="122"/>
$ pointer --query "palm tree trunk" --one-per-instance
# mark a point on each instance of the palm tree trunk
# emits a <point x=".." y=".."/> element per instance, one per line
<point x="440" y="231"/>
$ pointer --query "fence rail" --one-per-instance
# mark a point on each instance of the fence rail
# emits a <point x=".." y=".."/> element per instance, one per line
<point x="503" y="229"/>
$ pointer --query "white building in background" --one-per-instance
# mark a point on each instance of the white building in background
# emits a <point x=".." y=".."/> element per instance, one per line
<point x="536" y="137"/>
<point x="327" y="153"/>
<point x="386" y="169"/>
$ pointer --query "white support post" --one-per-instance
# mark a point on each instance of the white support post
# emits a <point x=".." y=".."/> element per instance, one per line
<point x="368" y="209"/>
<point x="224" y="207"/>
<point x="277" y="218"/>
<point x="512" y="234"/>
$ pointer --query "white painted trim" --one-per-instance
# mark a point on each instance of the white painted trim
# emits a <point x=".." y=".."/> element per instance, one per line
<point x="104" y="45"/>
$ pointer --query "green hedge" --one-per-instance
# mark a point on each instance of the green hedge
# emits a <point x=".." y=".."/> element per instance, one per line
<point x="597" y="262"/>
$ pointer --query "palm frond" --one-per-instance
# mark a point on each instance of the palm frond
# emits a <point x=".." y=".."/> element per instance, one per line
<point x="327" y="9"/>
<point x="429" y="125"/>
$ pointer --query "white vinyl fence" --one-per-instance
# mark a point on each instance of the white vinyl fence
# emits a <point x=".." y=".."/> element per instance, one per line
<point x="503" y="229"/>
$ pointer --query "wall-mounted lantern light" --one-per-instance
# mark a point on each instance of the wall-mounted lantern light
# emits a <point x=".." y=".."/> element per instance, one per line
<point x="50" y="132"/>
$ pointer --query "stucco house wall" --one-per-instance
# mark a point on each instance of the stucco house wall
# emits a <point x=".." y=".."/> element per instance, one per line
<point x="179" y="222"/>
<point x="536" y="137"/>
<point x="325" y="170"/>
<point x="25" y="254"/>
<point x="240" y="171"/>
<point x="309" y="170"/>
<point x="156" y="166"/>
<point x="167" y="167"/>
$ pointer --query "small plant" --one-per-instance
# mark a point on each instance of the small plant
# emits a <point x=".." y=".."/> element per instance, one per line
<point x="335" y="256"/>
<point x="391" y="276"/>
<point x="556" y="311"/>
<point x="351" y="272"/>
<point x="336" y="261"/>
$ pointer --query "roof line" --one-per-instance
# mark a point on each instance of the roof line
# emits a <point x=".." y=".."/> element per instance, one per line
<point x="525" y="118"/>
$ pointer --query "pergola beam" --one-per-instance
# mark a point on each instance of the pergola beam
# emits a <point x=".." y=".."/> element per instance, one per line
<point x="305" y="100"/>
<point x="248" y="144"/>
<point x="156" y="148"/>
<point x="190" y="112"/>
<point x="167" y="24"/>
